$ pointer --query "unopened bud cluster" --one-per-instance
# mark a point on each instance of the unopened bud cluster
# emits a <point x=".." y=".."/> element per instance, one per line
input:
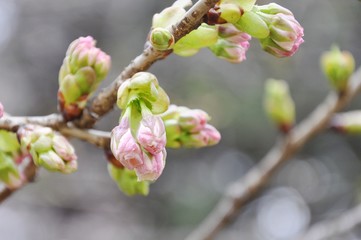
<point x="138" y="142"/>
<point x="84" y="67"/>
<point x="189" y="128"/>
<point x="229" y="27"/>
<point x="48" y="148"/>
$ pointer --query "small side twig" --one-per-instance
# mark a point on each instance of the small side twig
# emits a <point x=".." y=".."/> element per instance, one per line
<point x="241" y="191"/>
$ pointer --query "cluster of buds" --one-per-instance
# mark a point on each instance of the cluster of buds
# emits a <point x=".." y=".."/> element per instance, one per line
<point x="279" y="104"/>
<point x="48" y="148"/>
<point x="228" y="28"/>
<point x="10" y="158"/>
<point x="189" y="128"/>
<point x="138" y="142"/>
<point x="84" y="67"/>
<point x="338" y="67"/>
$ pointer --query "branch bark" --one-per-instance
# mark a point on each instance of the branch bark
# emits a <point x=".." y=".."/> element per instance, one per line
<point x="244" y="189"/>
<point x="98" y="138"/>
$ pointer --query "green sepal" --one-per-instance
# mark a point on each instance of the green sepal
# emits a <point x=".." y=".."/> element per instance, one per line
<point x="127" y="181"/>
<point x="253" y="24"/>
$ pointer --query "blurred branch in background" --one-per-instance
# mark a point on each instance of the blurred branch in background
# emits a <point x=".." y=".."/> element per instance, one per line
<point x="240" y="192"/>
<point x="334" y="227"/>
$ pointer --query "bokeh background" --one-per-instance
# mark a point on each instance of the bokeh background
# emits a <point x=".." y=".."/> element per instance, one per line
<point x="319" y="183"/>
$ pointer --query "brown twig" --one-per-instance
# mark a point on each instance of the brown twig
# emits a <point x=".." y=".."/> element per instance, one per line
<point x="334" y="227"/>
<point x="245" y="188"/>
<point x="29" y="173"/>
<point x="106" y="99"/>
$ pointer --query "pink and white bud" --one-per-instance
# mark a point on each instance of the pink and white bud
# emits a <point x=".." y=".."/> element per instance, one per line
<point x="125" y="148"/>
<point x="152" y="167"/>
<point x="208" y="136"/>
<point x="63" y="148"/>
<point x="151" y="134"/>
<point x="193" y="120"/>
<point x="285" y="31"/>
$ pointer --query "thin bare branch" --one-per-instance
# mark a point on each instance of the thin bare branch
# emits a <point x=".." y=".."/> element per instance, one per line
<point x="241" y="191"/>
<point x="95" y="137"/>
<point x="106" y="99"/>
<point x="334" y="227"/>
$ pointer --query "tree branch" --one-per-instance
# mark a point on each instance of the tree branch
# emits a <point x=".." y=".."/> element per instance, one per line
<point x="55" y="121"/>
<point x="105" y="100"/>
<point x="334" y="227"/>
<point x="245" y="188"/>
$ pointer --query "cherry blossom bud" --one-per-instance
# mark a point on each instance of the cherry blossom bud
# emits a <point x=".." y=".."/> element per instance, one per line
<point x="285" y="31"/>
<point x="338" y="67"/>
<point x="125" y="147"/>
<point x="151" y="133"/>
<point x="161" y="39"/>
<point x="48" y="149"/>
<point x="84" y="67"/>
<point x="232" y="44"/>
<point x="208" y="136"/>
<point x="152" y="167"/>
<point x="193" y="120"/>
<point x="127" y="181"/>
<point x="143" y="86"/>
<point x="189" y="128"/>
<point x="1" y="110"/>
<point x="279" y="104"/>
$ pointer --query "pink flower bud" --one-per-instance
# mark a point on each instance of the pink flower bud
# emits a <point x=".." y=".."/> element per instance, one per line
<point x="84" y="67"/>
<point x="152" y="167"/>
<point x="63" y="148"/>
<point x="193" y="120"/>
<point x="125" y="148"/>
<point x="285" y="31"/>
<point x="151" y="134"/>
<point x="208" y="136"/>
<point x="1" y="110"/>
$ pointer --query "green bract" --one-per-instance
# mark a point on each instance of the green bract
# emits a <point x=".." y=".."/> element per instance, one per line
<point x="127" y="181"/>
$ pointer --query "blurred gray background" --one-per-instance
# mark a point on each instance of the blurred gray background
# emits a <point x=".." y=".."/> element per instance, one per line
<point x="320" y="182"/>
